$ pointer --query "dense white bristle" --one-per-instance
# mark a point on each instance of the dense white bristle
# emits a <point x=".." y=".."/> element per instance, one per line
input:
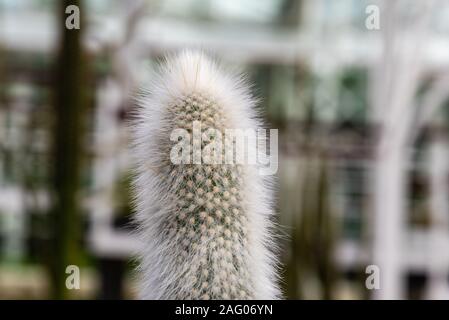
<point x="206" y="229"/>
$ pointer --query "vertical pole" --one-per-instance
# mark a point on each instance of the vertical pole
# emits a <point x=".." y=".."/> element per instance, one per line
<point x="67" y="151"/>
<point x="389" y="209"/>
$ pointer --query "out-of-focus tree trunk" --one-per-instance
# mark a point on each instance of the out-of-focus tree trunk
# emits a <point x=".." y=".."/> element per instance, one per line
<point x="68" y="137"/>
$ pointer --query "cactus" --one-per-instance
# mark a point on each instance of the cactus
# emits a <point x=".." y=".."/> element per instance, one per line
<point x="206" y="229"/>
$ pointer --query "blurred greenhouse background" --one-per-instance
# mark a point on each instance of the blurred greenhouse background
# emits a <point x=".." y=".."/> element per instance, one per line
<point x="363" y="115"/>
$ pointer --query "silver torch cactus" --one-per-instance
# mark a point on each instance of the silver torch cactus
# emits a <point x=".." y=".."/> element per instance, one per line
<point x="205" y="221"/>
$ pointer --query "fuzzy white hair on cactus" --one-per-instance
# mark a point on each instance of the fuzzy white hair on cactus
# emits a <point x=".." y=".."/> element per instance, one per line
<point x="206" y="229"/>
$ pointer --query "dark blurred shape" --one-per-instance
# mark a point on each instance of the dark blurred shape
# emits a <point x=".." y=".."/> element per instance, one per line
<point x="67" y="151"/>
<point x="416" y="285"/>
<point x="112" y="272"/>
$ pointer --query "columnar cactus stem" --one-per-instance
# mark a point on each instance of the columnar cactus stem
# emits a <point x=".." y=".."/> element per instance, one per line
<point x="205" y="228"/>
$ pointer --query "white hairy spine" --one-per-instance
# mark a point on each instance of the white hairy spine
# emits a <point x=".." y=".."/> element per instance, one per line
<point x="206" y="230"/>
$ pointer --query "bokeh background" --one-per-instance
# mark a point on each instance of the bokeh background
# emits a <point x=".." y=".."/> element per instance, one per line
<point x="363" y="115"/>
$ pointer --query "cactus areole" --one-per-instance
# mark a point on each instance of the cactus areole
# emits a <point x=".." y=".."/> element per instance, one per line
<point x="206" y="227"/>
